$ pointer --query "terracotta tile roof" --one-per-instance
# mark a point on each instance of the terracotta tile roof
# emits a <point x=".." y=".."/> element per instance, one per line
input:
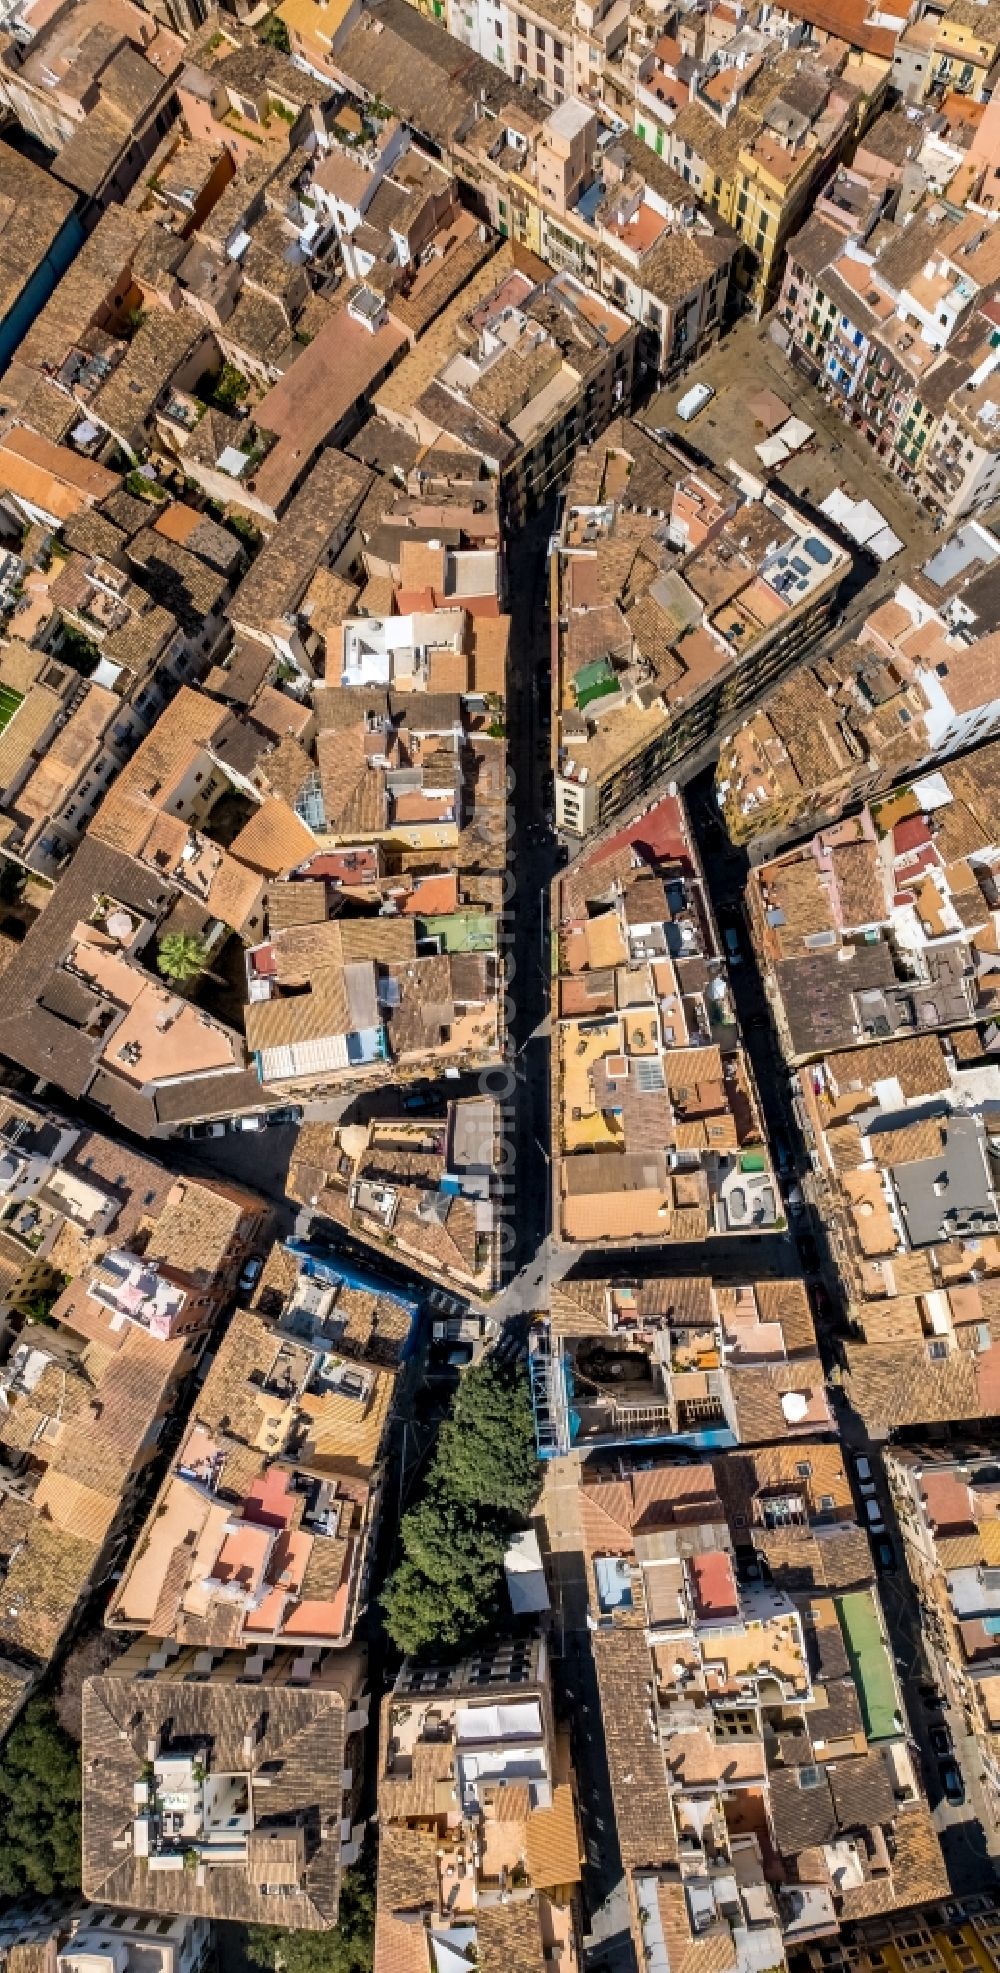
<point x="407" y="1868"/>
<point x="132" y="1392"/>
<point x="757" y="1394"/>
<point x="296" y="1733"/>
<point x="47" y="1574"/>
<point x="744" y="1475"/>
<point x="417" y="1794"/>
<point x="918" y="1873"/>
<point x="635" y="1761"/>
<point x="917" y="1062"/>
<point x="127" y="400"/>
<point x="125" y="816"/>
<point x="895" y="1384"/>
<point x="862" y="1792"/>
<point x="274" y="840"/>
<point x="858" y="876"/>
<point x="81" y="295"/>
<point x="787" y="1303"/>
<point x="199" y="1228"/>
<point x="713" y="1952"/>
<point x="834" y="1558"/>
<point x="552" y="1845"/>
<point x="275" y="585"/>
<point x="910" y="1142"/>
<point x="400" y="1945"/>
<point x="509" y="1938"/>
<point x="286" y="770"/>
<point x="803" y="1818"/>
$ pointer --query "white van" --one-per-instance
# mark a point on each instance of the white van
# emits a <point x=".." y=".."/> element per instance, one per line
<point x="693" y="401"/>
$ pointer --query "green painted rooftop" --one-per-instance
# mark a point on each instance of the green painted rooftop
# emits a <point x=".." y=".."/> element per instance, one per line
<point x="871" y="1667"/>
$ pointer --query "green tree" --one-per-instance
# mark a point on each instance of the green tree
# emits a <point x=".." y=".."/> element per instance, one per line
<point x="231" y="386"/>
<point x="347" y="1949"/>
<point x="12" y="881"/>
<point x="242" y="526"/>
<point x="275" y="33"/>
<point x="487" y="1447"/>
<point x="78" y="650"/>
<point x="39" y="1806"/>
<point x="182" y="957"/>
<point x="38" y="1306"/>
<point x="447" y="1590"/>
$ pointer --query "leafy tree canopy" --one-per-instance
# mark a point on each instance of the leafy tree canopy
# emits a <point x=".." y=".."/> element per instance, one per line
<point x="481" y="1484"/>
<point x="447" y="1587"/>
<point x="487" y="1447"/>
<point x="275" y="33"/>
<point x="347" y="1949"/>
<point x="181" y="956"/>
<point x="12" y="881"/>
<point x="39" y="1806"/>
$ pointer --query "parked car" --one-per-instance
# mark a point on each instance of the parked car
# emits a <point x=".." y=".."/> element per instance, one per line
<point x="782" y="1151"/>
<point x="952" y="1782"/>
<point x="733" y="952"/>
<point x="206" y="1130"/>
<point x="930" y="1697"/>
<point x="257" y="1122"/>
<point x="885" y="1557"/>
<point x="693" y="401"/>
<point x="863" y="1469"/>
<point x="250" y="1275"/>
<point x="420" y="1099"/>
<point x="875" y="1522"/>
<point x="941" y="1741"/>
<point x="290" y="1114"/>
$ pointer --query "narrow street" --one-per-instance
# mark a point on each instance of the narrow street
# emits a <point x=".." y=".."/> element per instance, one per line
<point x="532" y="866"/>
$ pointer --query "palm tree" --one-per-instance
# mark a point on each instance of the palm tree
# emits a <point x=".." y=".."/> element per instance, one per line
<point x="182" y="957"/>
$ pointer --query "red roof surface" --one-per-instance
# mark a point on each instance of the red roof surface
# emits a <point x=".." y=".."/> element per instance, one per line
<point x="910" y="834"/>
<point x="356" y="866"/>
<point x="271" y="1498"/>
<point x="713" y="1585"/>
<point x="926" y="858"/>
<point x="659" y="835"/>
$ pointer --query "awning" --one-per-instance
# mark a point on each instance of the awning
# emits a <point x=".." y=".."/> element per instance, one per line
<point x="768" y="409"/>
<point x="865" y="521"/>
<point x="772" y="452"/>
<point x="884" y="545"/>
<point x="795" y="433"/>
<point x="839" y="506"/>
